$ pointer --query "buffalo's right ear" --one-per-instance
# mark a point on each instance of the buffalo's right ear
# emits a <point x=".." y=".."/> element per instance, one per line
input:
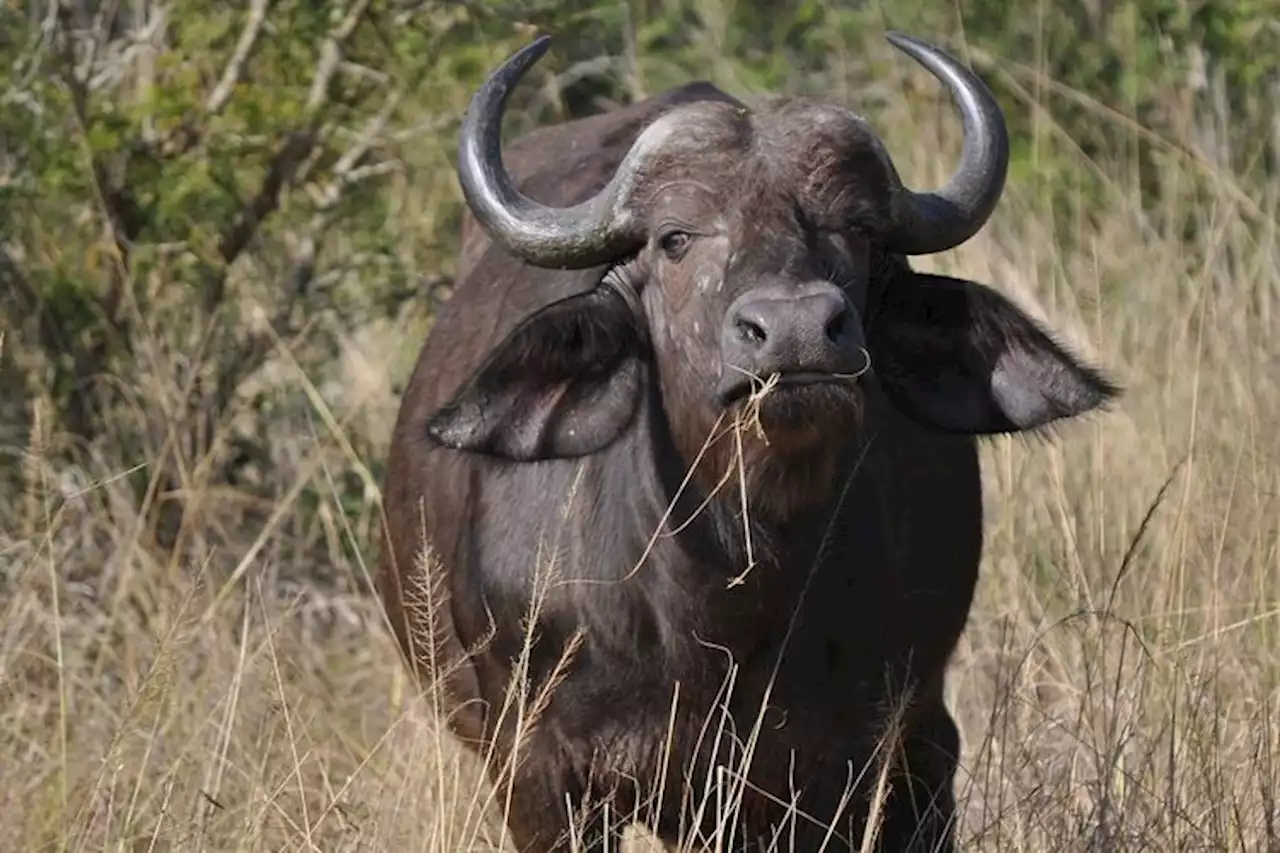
<point x="566" y="382"/>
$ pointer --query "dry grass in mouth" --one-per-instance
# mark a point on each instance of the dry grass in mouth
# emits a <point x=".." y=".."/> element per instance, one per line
<point x="749" y="414"/>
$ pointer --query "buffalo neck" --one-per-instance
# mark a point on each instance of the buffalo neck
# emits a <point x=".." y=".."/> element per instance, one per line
<point x="711" y="529"/>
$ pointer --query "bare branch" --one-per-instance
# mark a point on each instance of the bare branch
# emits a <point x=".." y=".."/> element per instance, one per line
<point x="346" y="173"/>
<point x="331" y="55"/>
<point x="235" y="70"/>
<point x="114" y="204"/>
<point x="332" y="194"/>
<point x="100" y="35"/>
<point x="283" y="166"/>
<point x="430" y="127"/>
<point x="28" y="64"/>
<point x="368" y="136"/>
<point x="355" y="69"/>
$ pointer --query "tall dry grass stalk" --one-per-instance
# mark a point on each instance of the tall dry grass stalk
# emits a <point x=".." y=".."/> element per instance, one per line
<point x="1118" y="686"/>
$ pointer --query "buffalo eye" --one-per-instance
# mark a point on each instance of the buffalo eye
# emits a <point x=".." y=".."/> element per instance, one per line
<point x="674" y="244"/>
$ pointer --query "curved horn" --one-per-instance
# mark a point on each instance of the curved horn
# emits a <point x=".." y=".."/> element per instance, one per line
<point x="928" y="222"/>
<point x="584" y="235"/>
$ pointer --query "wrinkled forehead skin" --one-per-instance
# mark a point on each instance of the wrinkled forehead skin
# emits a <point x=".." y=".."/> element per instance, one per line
<point x="809" y="163"/>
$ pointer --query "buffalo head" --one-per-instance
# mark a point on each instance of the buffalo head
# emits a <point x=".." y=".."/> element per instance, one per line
<point x="740" y="245"/>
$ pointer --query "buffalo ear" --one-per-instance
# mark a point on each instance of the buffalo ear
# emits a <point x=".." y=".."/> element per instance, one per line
<point x="564" y="383"/>
<point x="959" y="357"/>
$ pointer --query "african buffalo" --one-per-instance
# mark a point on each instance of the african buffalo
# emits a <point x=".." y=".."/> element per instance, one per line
<point x="688" y="367"/>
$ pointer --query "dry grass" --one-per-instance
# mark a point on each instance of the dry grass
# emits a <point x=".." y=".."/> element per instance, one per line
<point x="1118" y="686"/>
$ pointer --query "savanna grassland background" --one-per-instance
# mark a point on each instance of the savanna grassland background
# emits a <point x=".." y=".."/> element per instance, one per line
<point x="223" y="230"/>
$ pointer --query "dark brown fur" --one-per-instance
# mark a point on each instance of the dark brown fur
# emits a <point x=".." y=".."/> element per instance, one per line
<point x="865" y="503"/>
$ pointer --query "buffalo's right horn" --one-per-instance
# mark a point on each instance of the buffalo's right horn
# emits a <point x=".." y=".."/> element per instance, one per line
<point x="593" y="232"/>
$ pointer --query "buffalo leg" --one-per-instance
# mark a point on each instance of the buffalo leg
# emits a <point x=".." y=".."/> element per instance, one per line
<point x="920" y="814"/>
<point x="539" y="818"/>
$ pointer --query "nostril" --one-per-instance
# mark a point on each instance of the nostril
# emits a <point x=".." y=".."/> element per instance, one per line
<point x="836" y="326"/>
<point x="750" y="331"/>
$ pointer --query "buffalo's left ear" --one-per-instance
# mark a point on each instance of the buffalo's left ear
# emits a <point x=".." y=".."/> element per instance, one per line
<point x="566" y="382"/>
<point x="959" y="357"/>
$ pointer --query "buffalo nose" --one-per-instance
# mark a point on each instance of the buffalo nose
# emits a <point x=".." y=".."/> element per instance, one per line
<point x="810" y="329"/>
<point x="762" y="321"/>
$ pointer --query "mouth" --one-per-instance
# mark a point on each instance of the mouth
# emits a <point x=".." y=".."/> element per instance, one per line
<point x="788" y="382"/>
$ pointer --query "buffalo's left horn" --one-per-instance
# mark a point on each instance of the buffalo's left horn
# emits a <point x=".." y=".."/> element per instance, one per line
<point x="928" y="222"/>
<point x="595" y="231"/>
